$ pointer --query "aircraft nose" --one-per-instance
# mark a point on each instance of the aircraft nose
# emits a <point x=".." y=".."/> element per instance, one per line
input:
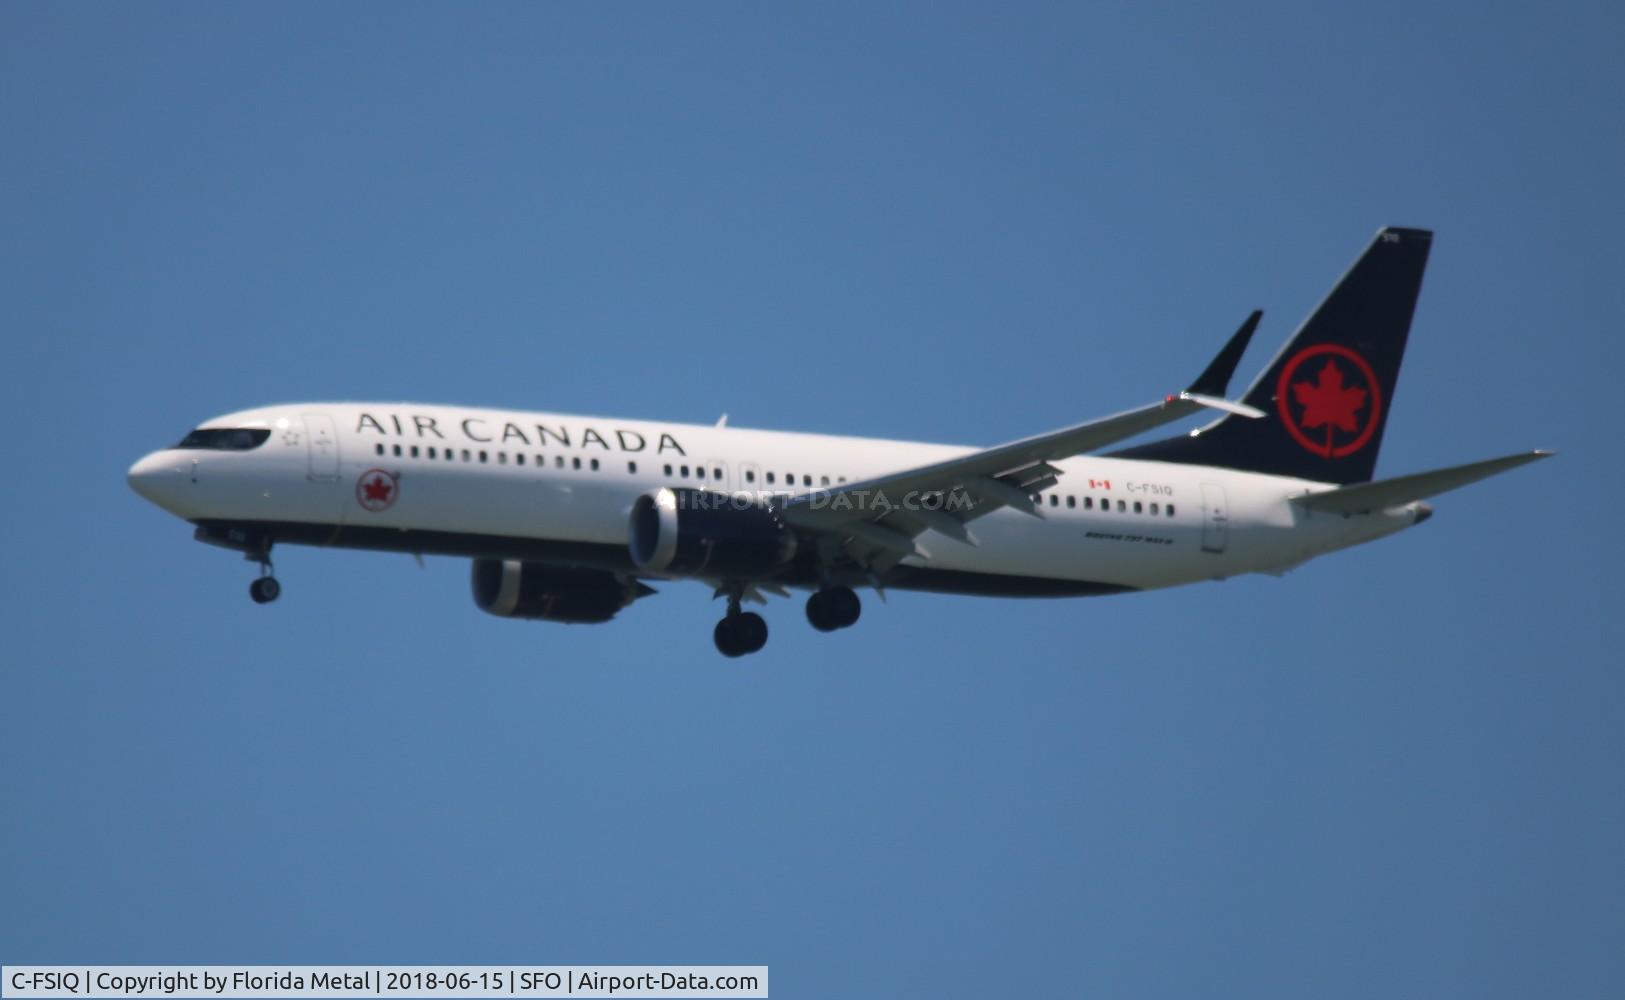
<point x="156" y="477"/>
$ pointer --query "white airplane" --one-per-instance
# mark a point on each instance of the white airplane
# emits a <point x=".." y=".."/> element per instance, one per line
<point x="567" y="517"/>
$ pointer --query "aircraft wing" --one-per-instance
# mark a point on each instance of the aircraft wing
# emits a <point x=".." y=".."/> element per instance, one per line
<point x="878" y="519"/>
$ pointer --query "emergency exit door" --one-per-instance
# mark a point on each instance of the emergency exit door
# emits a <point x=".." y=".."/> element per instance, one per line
<point x="323" y="441"/>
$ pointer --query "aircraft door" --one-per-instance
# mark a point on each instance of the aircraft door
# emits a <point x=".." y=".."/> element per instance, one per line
<point x="323" y="441"/>
<point x="1215" y="518"/>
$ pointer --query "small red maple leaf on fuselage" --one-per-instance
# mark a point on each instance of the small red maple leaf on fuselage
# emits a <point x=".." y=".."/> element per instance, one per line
<point x="378" y="489"/>
<point x="1327" y="403"/>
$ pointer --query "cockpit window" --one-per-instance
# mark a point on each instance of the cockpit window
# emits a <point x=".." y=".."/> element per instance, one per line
<point x="226" y="438"/>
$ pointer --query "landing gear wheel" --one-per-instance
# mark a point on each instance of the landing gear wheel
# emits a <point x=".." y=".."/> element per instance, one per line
<point x="723" y="635"/>
<point x="740" y="634"/>
<point x="265" y="590"/>
<point x="752" y="631"/>
<point x="818" y="613"/>
<point x="833" y="608"/>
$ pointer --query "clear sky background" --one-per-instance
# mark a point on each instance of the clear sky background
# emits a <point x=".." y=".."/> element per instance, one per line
<point x="1395" y="772"/>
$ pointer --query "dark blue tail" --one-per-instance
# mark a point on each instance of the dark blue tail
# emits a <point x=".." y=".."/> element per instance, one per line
<point x="1326" y="396"/>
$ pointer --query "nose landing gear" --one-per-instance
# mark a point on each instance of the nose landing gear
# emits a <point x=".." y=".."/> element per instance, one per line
<point x="265" y="589"/>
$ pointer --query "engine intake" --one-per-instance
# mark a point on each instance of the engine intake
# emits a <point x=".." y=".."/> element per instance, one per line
<point x="509" y="588"/>
<point x="690" y="532"/>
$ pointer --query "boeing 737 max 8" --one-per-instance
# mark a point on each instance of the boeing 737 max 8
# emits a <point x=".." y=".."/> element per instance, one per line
<point x="570" y="518"/>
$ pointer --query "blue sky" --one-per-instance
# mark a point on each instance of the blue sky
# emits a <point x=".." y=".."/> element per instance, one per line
<point x="1395" y="771"/>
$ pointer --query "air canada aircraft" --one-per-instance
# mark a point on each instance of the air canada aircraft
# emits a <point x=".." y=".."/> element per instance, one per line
<point x="571" y="518"/>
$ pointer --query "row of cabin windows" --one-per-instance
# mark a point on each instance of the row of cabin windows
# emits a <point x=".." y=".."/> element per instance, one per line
<point x="698" y="471"/>
<point x="482" y="456"/>
<point x="790" y="479"/>
<point x="1123" y="506"/>
<point x="715" y="473"/>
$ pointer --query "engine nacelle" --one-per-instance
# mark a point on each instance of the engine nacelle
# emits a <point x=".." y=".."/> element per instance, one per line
<point x="509" y="588"/>
<point x="693" y="532"/>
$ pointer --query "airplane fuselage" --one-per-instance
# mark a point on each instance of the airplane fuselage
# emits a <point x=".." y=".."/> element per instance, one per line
<point x="560" y="488"/>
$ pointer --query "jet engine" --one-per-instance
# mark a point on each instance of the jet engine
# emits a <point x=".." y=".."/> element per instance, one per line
<point x="694" y="532"/>
<point x="509" y="588"/>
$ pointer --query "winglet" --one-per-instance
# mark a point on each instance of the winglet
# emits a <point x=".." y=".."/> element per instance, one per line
<point x="1216" y="379"/>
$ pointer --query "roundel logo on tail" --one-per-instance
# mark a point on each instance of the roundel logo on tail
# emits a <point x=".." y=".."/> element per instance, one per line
<point x="1329" y="400"/>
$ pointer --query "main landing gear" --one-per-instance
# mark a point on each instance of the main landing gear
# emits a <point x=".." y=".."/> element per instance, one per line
<point x="265" y="589"/>
<point x="741" y="632"/>
<point x="744" y="632"/>
<point x="833" y="608"/>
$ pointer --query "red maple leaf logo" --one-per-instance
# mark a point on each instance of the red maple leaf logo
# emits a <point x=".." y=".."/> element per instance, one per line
<point x="1328" y="404"/>
<point x="378" y="489"/>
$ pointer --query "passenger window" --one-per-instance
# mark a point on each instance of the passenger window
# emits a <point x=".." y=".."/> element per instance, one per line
<point x="432" y="452"/>
<point x="519" y="459"/>
<point x="502" y="458"/>
<point x="668" y="468"/>
<point x="466" y="455"/>
<point x="1071" y="502"/>
<point x="684" y="470"/>
<point x="397" y="451"/>
<point x="1170" y="510"/>
<point x="575" y="463"/>
<point x="380" y="449"/>
<point x="750" y="476"/>
<point x="841" y="480"/>
<point x="450" y="455"/>
<point x="1054" y="500"/>
<point x="770" y="479"/>
<point x="631" y="468"/>
<point x="414" y="451"/>
<point x="716" y="473"/>
<point x="1088" y="503"/>
<point x="806" y="480"/>
<point x="1138" y="508"/>
<point x="595" y="465"/>
<point x="823" y="480"/>
<point x="699" y="472"/>
<point x="558" y="461"/>
<point x="484" y="456"/>
<point x="1154" y="511"/>
<point x="1121" y="507"/>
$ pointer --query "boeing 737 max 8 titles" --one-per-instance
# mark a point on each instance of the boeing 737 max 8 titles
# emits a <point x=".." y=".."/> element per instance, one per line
<point x="570" y="518"/>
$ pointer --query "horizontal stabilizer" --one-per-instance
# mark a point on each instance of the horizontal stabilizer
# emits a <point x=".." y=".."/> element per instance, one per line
<point x="1405" y="489"/>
